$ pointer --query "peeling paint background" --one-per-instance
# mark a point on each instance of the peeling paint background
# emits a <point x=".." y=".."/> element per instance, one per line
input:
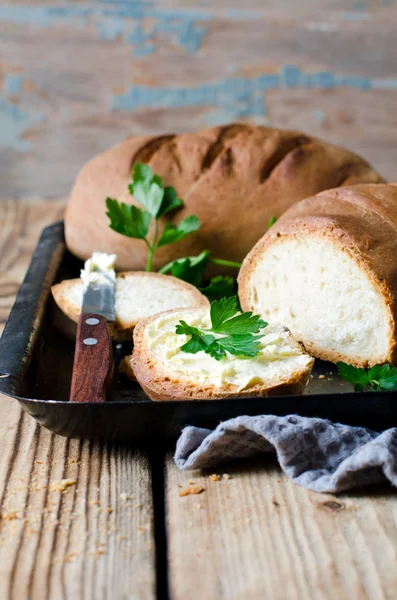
<point x="76" y="77"/>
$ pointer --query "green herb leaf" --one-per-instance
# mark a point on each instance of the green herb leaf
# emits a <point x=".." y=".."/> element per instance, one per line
<point x="271" y="222"/>
<point x="197" y="342"/>
<point x="148" y="190"/>
<point x="238" y="345"/>
<point x="170" y="201"/>
<point x="189" y="268"/>
<point x="353" y="375"/>
<point x="383" y="377"/>
<point x="379" y="377"/>
<point x="184" y="329"/>
<point x="239" y="340"/>
<point x="127" y="219"/>
<point x="149" y="195"/>
<point x="142" y="172"/>
<point x="174" y="233"/>
<point x="220" y="286"/>
<point x="223" y="310"/>
<point x="224" y="318"/>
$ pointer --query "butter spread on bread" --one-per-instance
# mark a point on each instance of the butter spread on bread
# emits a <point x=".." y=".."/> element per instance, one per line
<point x="166" y="372"/>
<point x="327" y="269"/>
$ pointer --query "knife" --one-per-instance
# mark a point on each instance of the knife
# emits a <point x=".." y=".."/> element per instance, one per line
<point x="93" y="356"/>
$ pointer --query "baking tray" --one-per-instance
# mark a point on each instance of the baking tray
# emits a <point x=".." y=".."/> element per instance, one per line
<point x="36" y="365"/>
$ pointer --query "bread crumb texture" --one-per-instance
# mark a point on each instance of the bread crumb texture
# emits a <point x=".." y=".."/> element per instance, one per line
<point x="313" y="286"/>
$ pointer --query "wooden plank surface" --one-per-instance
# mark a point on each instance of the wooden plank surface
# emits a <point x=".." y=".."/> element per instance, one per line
<point x="78" y="77"/>
<point x="257" y="535"/>
<point x="76" y="518"/>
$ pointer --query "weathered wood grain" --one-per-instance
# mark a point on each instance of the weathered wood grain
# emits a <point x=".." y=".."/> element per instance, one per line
<point x="78" y="77"/>
<point x="21" y="223"/>
<point x="76" y="518"/>
<point x="257" y="536"/>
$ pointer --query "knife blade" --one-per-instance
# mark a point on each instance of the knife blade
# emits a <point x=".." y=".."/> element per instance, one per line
<point x="93" y="357"/>
<point x="98" y="298"/>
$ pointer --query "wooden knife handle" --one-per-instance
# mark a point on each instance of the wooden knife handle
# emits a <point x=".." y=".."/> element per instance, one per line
<point x="93" y="360"/>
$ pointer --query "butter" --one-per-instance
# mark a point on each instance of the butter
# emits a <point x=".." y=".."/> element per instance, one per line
<point x="99" y="269"/>
<point x="277" y="358"/>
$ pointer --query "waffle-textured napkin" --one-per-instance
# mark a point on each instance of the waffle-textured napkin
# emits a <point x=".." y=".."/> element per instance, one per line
<point x="314" y="453"/>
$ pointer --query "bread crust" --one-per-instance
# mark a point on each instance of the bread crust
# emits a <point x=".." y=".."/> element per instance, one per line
<point x="121" y="330"/>
<point x="362" y="222"/>
<point x="158" y="384"/>
<point x="234" y="178"/>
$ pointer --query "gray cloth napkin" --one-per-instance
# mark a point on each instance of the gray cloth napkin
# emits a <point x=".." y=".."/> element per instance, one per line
<point x="314" y="453"/>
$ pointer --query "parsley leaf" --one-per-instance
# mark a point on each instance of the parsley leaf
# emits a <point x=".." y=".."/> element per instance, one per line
<point x="239" y="345"/>
<point x="271" y="222"/>
<point x="353" y="375"/>
<point x="127" y="219"/>
<point x="170" y="201"/>
<point x="191" y="269"/>
<point x="175" y="233"/>
<point x="379" y="377"/>
<point x="239" y="329"/>
<point x="142" y="172"/>
<point x="156" y="201"/>
<point x="149" y="195"/>
<point x="221" y="311"/>
<point x="220" y="286"/>
<point x="223" y="320"/>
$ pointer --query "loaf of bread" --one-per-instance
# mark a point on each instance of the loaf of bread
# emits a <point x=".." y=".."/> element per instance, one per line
<point x="138" y="295"/>
<point x="167" y="373"/>
<point x="328" y="270"/>
<point x="234" y="178"/>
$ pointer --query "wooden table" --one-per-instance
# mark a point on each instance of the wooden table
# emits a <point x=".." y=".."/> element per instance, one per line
<point x="109" y="535"/>
<point x="76" y="77"/>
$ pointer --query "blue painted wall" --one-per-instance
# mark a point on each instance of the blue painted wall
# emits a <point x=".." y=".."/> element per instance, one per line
<point x="75" y="77"/>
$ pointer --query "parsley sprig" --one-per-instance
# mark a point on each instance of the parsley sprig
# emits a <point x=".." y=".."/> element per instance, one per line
<point x="379" y="377"/>
<point x="236" y="329"/>
<point x="157" y="201"/>
<point x="191" y="269"/>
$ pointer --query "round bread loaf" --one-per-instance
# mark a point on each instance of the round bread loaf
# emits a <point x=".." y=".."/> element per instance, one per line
<point x="328" y="270"/>
<point x="234" y="178"/>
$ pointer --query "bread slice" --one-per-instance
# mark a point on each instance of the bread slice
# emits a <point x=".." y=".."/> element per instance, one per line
<point x="327" y="269"/>
<point x="167" y="373"/>
<point x="138" y="295"/>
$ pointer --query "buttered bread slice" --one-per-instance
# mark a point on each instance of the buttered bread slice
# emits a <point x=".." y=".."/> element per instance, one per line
<point x="165" y="372"/>
<point x="138" y="295"/>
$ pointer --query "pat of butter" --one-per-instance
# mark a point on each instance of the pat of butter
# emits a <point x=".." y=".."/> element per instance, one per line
<point x="99" y="269"/>
<point x="277" y="358"/>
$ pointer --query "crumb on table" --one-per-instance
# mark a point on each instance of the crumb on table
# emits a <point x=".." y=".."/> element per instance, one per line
<point x="62" y="485"/>
<point x="195" y="489"/>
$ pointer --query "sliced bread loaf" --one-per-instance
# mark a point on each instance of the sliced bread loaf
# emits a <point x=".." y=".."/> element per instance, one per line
<point x="138" y="295"/>
<point x="167" y="373"/>
<point x="328" y="270"/>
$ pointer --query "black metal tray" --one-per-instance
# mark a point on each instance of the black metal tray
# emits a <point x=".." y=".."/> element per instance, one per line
<point x="36" y="364"/>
